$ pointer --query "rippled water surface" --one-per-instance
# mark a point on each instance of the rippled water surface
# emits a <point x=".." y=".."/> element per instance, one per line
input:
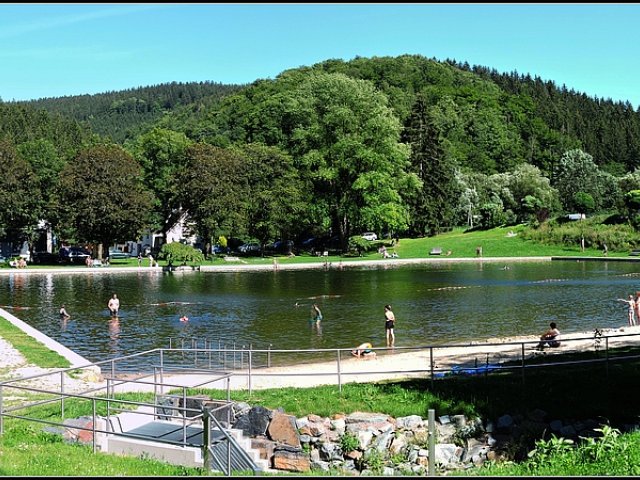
<point x="434" y="304"/>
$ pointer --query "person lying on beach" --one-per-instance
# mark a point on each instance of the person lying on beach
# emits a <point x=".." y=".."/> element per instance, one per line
<point x="364" y="351"/>
<point x="550" y="337"/>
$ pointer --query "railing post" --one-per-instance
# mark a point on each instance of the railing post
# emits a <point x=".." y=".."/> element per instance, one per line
<point x="195" y="352"/>
<point x="184" y="416"/>
<point x="234" y="354"/>
<point x="431" y="419"/>
<point x="339" y="373"/>
<point x="155" y="384"/>
<point x="62" y="395"/>
<point x="206" y="438"/>
<point x="249" y="372"/>
<point x="93" y="427"/>
<point x="161" y="371"/>
<point x="228" y="458"/>
<point x="269" y="356"/>
<point x="431" y="367"/>
<point x="523" y="367"/>
<point x="1" y="410"/>
<point x="606" y="354"/>
<point x="109" y="396"/>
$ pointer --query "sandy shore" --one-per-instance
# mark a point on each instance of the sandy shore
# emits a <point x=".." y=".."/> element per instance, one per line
<point x="398" y="363"/>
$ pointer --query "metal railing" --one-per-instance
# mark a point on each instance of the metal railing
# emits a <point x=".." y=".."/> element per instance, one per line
<point x="103" y="398"/>
<point x="430" y="362"/>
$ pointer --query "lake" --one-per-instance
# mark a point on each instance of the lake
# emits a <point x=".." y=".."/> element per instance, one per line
<point x="433" y="303"/>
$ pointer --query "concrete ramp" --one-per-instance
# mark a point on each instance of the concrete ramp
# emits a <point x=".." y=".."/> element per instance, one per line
<point x="138" y="434"/>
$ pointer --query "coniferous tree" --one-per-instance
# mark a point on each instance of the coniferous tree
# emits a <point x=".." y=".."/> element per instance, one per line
<point x="434" y="206"/>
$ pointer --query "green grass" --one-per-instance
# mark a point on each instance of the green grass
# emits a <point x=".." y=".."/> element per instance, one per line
<point x="611" y="454"/>
<point x="25" y="450"/>
<point x="34" y="352"/>
<point x="461" y="243"/>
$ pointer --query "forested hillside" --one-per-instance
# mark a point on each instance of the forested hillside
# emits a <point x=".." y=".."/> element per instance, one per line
<point x="387" y="144"/>
<point x="122" y="115"/>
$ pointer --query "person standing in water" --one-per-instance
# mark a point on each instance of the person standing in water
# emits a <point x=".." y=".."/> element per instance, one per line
<point x="63" y="313"/>
<point x="389" y="324"/>
<point x="316" y="314"/>
<point x="631" y="309"/>
<point x="114" y="305"/>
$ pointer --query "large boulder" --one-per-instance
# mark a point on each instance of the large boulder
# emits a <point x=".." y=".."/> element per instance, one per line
<point x="282" y="429"/>
<point x="291" y="460"/>
<point x="255" y="422"/>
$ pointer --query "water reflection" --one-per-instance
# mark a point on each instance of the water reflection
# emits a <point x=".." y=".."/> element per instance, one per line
<point x="114" y="335"/>
<point x="434" y="304"/>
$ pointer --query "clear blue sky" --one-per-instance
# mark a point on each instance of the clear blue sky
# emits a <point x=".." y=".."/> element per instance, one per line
<point x="53" y="50"/>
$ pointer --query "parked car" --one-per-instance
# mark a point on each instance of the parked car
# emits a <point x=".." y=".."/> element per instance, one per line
<point x="308" y="243"/>
<point x="45" y="258"/>
<point x="370" y="236"/>
<point x="250" y="248"/>
<point x="280" y="246"/>
<point x="116" y="253"/>
<point x="73" y="255"/>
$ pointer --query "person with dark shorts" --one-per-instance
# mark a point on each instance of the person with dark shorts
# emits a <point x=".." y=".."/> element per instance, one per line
<point x="114" y="305"/>
<point x="389" y="324"/>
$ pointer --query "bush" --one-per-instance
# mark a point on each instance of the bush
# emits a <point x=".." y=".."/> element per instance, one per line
<point x="349" y="442"/>
<point x="180" y="253"/>
<point x="619" y="237"/>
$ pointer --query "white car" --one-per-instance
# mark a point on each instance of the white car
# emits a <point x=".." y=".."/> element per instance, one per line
<point x="369" y="236"/>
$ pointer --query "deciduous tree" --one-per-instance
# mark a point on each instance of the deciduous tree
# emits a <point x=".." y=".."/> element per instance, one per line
<point x="101" y="197"/>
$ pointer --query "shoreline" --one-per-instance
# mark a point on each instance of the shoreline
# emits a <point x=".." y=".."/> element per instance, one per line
<point x="339" y="264"/>
<point x="396" y="364"/>
<point x="389" y="364"/>
<point x="281" y="265"/>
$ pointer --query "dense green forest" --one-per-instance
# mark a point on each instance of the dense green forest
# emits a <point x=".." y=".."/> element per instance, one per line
<point x="397" y="145"/>
<point x="122" y="115"/>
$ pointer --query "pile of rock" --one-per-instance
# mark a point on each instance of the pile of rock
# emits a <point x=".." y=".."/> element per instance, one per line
<point x="361" y="443"/>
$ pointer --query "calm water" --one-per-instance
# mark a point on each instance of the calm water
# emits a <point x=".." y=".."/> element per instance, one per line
<point x="434" y="304"/>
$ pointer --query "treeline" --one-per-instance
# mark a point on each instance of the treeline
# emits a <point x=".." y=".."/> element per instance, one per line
<point x="608" y="130"/>
<point x="402" y="144"/>
<point x="122" y="115"/>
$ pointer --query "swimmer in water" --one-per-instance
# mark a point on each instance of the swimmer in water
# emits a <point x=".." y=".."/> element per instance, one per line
<point x="184" y="318"/>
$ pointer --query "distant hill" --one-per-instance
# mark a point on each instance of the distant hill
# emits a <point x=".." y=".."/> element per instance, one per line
<point x="489" y="121"/>
<point x="121" y="115"/>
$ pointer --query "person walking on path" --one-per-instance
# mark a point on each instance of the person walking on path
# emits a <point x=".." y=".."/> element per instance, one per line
<point x="114" y="305"/>
<point x="389" y="324"/>
<point x="632" y="309"/>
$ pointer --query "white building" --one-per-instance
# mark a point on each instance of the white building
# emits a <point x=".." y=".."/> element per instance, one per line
<point x="153" y="241"/>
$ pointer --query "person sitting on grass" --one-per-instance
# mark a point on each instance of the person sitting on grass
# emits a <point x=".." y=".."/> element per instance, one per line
<point x="364" y="351"/>
<point x="550" y="337"/>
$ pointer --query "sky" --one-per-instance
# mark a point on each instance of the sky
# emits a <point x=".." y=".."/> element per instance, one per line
<point x="55" y="50"/>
